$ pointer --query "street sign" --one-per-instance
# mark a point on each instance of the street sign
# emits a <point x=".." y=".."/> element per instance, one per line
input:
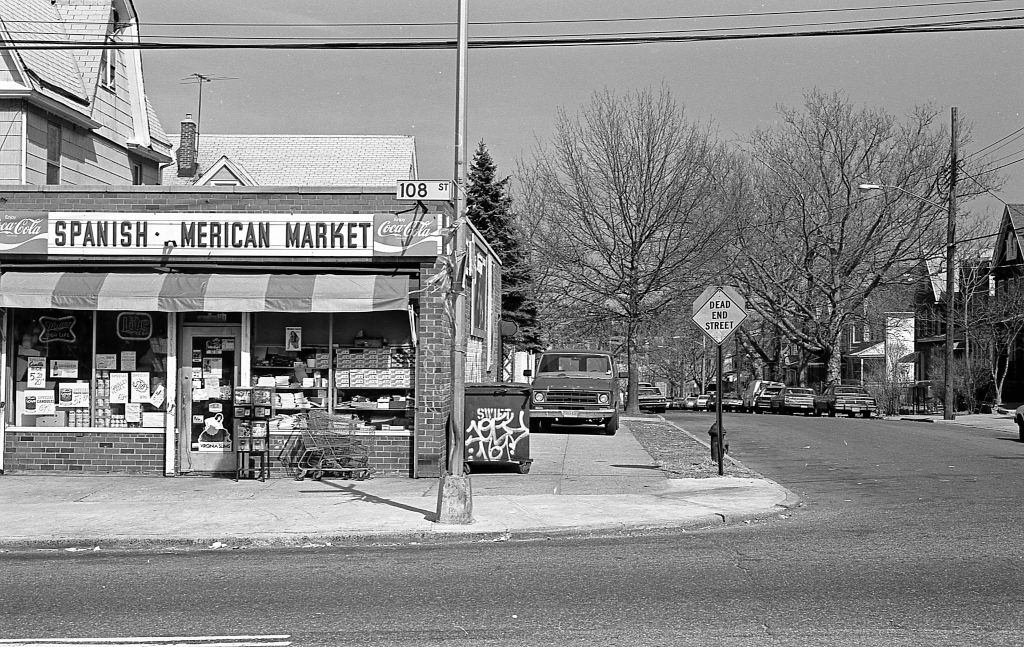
<point x="424" y="190"/>
<point x="718" y="311"/>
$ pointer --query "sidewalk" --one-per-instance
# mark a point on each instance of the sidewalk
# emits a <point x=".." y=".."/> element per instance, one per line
<point x="580" y="484"/>
<point x="993" y="421"/>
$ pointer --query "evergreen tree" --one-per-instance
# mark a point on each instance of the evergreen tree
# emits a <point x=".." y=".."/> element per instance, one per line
<point x="488" y="206"/>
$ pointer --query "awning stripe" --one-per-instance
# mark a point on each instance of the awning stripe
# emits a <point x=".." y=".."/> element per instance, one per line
<point x="172" y="292"/>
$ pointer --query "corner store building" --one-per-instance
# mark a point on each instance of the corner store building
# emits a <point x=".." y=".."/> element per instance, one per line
<point x="93" y="296"/>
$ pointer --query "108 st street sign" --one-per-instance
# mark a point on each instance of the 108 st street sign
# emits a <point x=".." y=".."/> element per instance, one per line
<point x="718" y="311"/>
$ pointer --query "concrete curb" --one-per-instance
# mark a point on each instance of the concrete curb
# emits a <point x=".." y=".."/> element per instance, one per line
<point x="370" y="539"/>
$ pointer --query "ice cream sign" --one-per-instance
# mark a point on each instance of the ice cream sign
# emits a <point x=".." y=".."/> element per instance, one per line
<point x="219" y="234"/>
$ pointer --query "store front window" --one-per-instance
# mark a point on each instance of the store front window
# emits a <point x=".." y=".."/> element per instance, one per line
<point x="89" y="369"/>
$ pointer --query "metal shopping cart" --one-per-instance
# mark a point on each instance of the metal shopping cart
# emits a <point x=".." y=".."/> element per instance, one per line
<point x="329" y="444"/>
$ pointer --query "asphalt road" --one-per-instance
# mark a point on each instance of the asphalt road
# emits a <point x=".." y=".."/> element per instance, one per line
<point x="910" y="535"/>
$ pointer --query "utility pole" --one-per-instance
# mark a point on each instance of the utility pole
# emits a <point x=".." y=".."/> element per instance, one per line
<point x="949" y="404"/>
<point x="455" y="495"/>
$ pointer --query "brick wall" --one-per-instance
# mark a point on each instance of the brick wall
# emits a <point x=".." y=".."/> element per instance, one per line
<point x="84" y="452"/>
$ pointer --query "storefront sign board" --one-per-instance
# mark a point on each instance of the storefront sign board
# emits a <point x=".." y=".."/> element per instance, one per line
<point x="219" y="234"/>
<point x="134" y="326"/>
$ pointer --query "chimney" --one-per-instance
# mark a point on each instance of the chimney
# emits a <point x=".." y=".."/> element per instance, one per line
<point x="188" y="150"/>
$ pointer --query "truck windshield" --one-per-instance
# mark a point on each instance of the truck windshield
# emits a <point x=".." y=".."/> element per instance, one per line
<point x="574" y="364"/>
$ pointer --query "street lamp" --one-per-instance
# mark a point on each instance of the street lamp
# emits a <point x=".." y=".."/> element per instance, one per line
<point x="947" y="380"/>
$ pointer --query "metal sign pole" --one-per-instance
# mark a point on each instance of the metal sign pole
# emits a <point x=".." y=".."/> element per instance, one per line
<point x="718" y="414"/>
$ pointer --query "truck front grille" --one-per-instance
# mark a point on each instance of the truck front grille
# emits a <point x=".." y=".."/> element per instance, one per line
<point x="571" y="397"/>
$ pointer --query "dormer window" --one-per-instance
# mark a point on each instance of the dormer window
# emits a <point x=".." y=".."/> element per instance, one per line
<point x="108" y="68"/>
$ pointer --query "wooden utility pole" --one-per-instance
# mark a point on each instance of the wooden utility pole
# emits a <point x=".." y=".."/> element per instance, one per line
<point x="455" y="495"/>
<point x="949" y="405"/>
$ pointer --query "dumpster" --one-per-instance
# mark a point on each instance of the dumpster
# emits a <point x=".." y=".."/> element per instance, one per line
<point x="497" y="424"/>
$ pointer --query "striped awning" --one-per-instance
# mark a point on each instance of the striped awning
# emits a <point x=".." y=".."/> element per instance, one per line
<point x="171" y="292"/>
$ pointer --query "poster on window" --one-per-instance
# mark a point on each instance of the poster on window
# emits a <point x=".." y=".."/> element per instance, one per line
<point x="293" y="338"/>
<point x="40" y="403"/>
<point x="36" y="372"/>
<point x="128" y="360"/>
<point x="213" y="436"/>
<point x="140" y="387"/>
<point x="119" y="388"/>
<point x="64" y="369"/>
<point x="73" y="395"/>
<point x="106" y="361"/>
<point x="133" y="412"/>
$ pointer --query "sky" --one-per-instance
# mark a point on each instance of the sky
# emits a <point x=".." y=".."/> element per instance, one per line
<point x="514" y="95"/>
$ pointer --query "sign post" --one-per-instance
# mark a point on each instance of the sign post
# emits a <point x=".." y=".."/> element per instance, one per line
<point x="718" y="312"/>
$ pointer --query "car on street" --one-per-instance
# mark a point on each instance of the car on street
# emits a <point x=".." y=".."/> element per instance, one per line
<point x="793" y="399"/>
<point x="690" y="402"/>
<point x="753" y="390"/>
<point x="848" y="399"/>
<point x="701" y="404"/>
<point x="763" y="402"/>
<point x="651" y="399"/>
<point x="731" y="402"/>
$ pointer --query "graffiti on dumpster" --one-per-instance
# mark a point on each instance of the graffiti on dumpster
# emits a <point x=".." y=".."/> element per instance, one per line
<point x="494" y="434"/>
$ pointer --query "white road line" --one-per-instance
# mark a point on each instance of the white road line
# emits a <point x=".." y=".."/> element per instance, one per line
<point x="161" y="641"/>
<point x="71" y="642"/>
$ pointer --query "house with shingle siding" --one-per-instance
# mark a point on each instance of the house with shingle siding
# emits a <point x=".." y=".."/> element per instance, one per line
<point x="75" y="116"/>
<point x="289" y="160"/>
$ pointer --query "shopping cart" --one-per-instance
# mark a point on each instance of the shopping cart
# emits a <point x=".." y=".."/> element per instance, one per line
<point x="329" y="444"/>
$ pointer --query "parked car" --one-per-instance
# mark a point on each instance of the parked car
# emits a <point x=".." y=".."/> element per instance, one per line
<point x="753" y="390"/>
<point x="690" y="402"/>
<point x="702" y="402"/>
<point x="848" y="399"/>
<point x="763" y="403"/>
<point x="793" y="399"/>
<point x="651" y="399"/>
<point x="731" y="402"/>
<point x="677" y="403"/>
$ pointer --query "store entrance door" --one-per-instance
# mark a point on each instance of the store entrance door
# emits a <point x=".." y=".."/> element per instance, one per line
<point x="209" y="373"/>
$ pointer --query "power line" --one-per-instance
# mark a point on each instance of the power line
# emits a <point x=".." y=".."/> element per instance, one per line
<point x="1019" y="133"/>
<point x="976" y="25"/>
<point x="601" y="34"/>
<point x="538" y="22"/>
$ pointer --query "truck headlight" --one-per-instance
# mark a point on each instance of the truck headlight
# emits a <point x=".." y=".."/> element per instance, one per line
<point x="538" y="396"/>
<point x="603" y="398"/>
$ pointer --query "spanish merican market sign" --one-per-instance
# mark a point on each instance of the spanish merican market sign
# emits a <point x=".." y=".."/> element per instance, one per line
<point x="89" y="233"/>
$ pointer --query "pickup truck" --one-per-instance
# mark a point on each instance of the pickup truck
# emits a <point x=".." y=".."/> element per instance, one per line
<point x="575" y="387"/>
<point x="842" y="398"/>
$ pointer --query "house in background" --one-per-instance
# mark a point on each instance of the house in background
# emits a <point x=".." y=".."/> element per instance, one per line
<point x="1008" y="275"/>
<point x="290" y="160"/>
<point x="75" y="116"/>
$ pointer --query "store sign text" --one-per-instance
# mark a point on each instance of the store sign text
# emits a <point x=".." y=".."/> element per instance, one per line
<point x="218" y="234"/>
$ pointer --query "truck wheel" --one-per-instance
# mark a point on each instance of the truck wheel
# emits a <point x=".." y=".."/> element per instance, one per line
<point x="611" y="425"/>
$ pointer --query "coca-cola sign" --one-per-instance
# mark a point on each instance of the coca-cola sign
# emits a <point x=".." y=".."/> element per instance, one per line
<point x="406" y="234"/>
<point x="23" y="232"/>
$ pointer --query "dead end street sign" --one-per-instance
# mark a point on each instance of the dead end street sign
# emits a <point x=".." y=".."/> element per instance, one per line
<point x="718" y="311"/>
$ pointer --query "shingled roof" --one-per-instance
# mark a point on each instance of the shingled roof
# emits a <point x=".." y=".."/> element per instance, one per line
<point x="305" y="160"/>
<point x="54" y="72"/>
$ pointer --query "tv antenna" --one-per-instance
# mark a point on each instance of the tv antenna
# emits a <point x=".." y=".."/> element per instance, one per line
<point x="199" y="79"/>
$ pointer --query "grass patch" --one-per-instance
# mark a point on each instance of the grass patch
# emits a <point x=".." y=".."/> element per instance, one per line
<point x="679" y="455"/>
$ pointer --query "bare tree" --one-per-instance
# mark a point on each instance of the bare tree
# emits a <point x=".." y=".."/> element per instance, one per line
<point x="814" y="248"/>
<point x="630" y="212"/>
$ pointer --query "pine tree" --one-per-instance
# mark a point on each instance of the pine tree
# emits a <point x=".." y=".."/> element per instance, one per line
<point x="488" y="206"/>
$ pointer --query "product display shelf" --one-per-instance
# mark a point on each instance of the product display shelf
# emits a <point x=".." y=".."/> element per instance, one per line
<point x="296" y="396"/>
<point x="374" y="383"/>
